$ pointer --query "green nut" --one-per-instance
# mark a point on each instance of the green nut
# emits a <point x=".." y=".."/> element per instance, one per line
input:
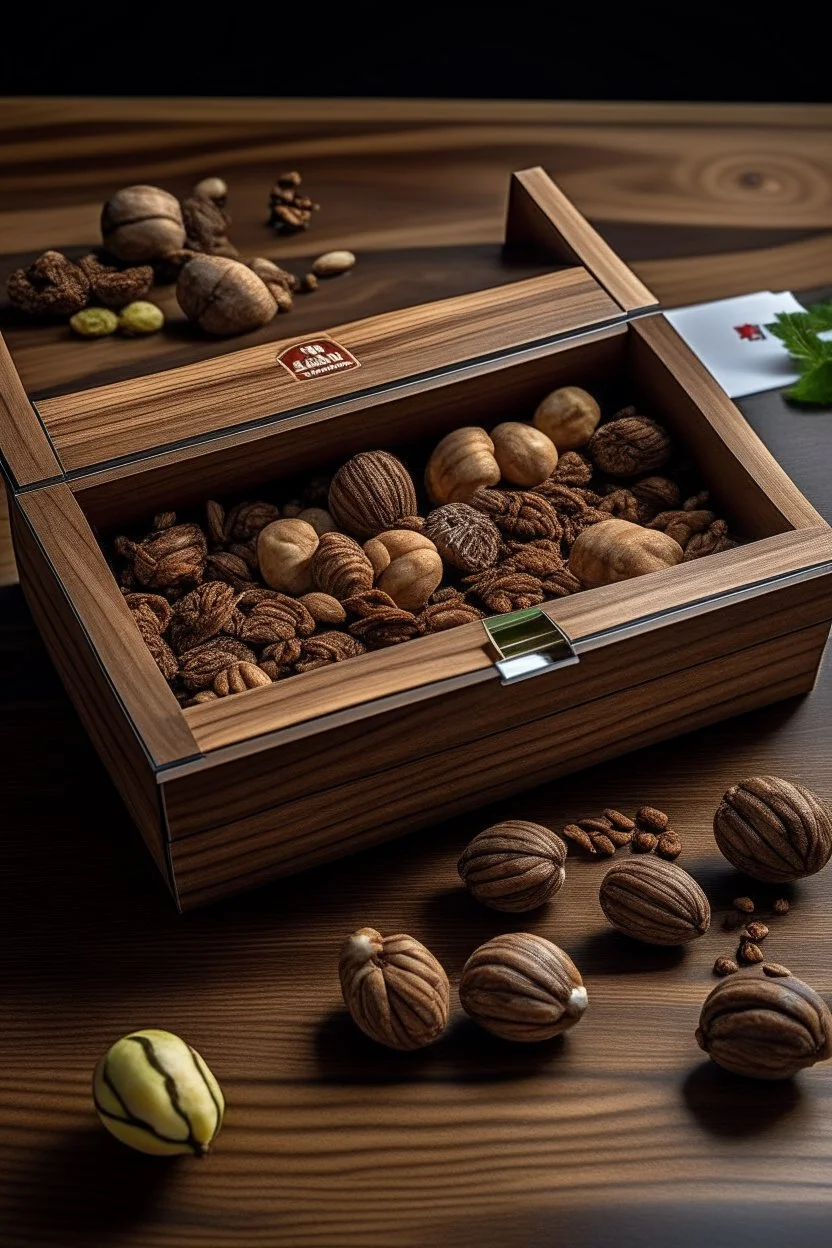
<point x="94" y="322"/>
<point x="140" y="318"/>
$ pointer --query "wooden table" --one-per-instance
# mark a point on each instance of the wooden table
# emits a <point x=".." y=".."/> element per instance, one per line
<point x="621" y="1134"/>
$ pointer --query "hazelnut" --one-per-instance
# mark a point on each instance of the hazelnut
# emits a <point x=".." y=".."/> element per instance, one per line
<point x="616" y="550"/>
<point x="386" y="547"/>
<point x="522" y="987"/>
<point x="569" y="416"/>
<point x="323" y="608"/>
<point x="142" y="223"/>
<point x="525" y="455"/>
<point x="370" y="492"/>
<point x="773" y="830"/>
<point x="411" y="579"/>
<point x="461" y="463"/>
<point x="223" y="296"/>
<point x="394" y="988"/>
<point x="284" y="555"/>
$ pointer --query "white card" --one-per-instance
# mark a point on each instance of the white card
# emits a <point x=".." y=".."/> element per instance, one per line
<point x="731" y="340"/>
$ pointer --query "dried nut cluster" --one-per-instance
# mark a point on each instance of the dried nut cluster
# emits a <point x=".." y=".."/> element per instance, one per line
<point x="773" y="829"/>
<point x="655" y="902"/>
<point x="393" y="561"/>
<point x="603" y="834"/>
<point x="765" y="1028"/>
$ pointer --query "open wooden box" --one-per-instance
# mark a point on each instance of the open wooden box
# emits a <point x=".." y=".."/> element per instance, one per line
<point x="236" y="792"/>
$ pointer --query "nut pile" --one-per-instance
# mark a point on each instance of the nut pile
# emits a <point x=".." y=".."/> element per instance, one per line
<point x="648" y="832"/>
<point x="280" y="586"/>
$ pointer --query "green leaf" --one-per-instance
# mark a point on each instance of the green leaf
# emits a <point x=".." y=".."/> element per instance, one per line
<point x="794" y="329"/>
<point x="815" y="385"/>
<point x="820" y="316"/>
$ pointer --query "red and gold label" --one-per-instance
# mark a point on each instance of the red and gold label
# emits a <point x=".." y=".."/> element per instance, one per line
<point x="319" y="357"/>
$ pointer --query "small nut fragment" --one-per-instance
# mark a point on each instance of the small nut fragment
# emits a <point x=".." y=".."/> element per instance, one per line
<point x="526" y="456"/>
<point x="394" y="988"/>
<point x="725" y="966"/>
<point x="616" y="550"/>
<point x="461" y="463"/>
<point x="756" y="931"/>
<point x="751" y="953"/>
<point x="744" y="904"/>
<point x="569" y="416"/>
<point x="331" y="263"/>
<point x="114" y="285"/>
<point x="765" y="1028"/>
<point x="142" y="223"/>
<point x="652" y="819"/>
<point x="521" y="987"/>
<point x="50" y="286"/>
<point x="140" y="318"/>
<point x="239" y="677"/>
<point x="284" y="555"/>
<point x="669" y="845"/>
<point x="513" y="866"/>
<point x="781" y="906"/>
<point x="775" y="971"/>
<point x="773" y="829"/>
<point x="654" y="901"/>
<point x="212" y="188"/>
<point x="643" y="842"/>
<point x="94" y="322"/>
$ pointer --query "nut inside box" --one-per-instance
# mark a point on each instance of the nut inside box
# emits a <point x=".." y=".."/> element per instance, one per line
<point x="240" y="790"/>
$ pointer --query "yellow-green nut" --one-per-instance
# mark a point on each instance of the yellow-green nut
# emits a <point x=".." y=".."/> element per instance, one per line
<point x="156" y="1094"/>
<point x="94" y="322"/>
<point x="140" y="318"/>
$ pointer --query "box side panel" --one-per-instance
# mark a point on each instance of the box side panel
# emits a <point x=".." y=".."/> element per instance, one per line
<point x="355" y="816"/>
<point x="24" y="445"/>
<point x="339" y="750"/>
<point x="91" y="693"/>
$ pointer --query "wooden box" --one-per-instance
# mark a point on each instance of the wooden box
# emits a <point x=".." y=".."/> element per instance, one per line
<point x="231" y="794"/>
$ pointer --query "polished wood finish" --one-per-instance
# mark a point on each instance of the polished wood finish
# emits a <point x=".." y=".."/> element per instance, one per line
<point x="622" y="1133"/>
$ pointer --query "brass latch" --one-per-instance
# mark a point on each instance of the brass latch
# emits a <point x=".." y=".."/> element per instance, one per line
<point x="528" y="643"/>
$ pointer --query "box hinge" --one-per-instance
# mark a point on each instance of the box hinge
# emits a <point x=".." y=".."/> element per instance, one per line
<point x="528" y="643"/>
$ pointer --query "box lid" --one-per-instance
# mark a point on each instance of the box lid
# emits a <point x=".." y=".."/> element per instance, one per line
<point x="69" y="435"/>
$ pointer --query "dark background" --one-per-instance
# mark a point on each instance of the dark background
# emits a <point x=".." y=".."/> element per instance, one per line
<point x="747" y="50"/>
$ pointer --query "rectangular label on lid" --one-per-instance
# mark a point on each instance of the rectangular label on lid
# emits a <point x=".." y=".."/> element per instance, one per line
<point x="317" y="358"/>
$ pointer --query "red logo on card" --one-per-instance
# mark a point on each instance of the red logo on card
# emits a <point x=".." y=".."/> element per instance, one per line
<point x="317" y="358"/>
<point x="750" y="333"/>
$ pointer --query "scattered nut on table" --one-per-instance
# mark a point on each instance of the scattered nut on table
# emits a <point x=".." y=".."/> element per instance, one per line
<point x="514" y="866"/>
<point x="522" y="987"/>
<point x="773" y="829"/>
<point x="394" y="988"/>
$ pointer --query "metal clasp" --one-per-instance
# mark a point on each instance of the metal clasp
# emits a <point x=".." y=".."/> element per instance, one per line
<point x="528" y="643"/>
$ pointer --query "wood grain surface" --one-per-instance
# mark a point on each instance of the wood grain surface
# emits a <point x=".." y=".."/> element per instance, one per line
<point x="619" y="1135"/>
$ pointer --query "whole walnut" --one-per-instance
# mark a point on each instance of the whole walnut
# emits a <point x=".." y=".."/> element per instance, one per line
<point x="223" y="296"/>
<point x="765" y="1028"/>
<point x="51" y="286"/>
<point x="629" y="445"/>
<point x="370" y="492"/>
<point x="514" y="866"/>
<point x="172" y="558"/>
<point x="340" y="567"/>
<point x="394" y="988"/>
<point x="520" y="986"/>
<point x="616" y="550"/>
<point x="461" y="463"/>
<point x="114" y="285"/>
<point x="569" y="416"/>
<point x="142" y="223"/>
<point x="773" y="829"/>
<point x="464" y="537"/>
<point x="284" y="555"/>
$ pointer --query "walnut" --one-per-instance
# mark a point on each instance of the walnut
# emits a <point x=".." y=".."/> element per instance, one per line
<point x="461" y="463"/>
<point x="50" y="286"/>
<point x="524" y="454"/>
<point x="173" y="558"/>
<point x="283" y="654"/>
<point x="339" y="566"/>
<point x="201" y="614"/>
<point x="281" y="283"/>
<point x="568" y="416"/>
<point x="247" y="520"/>
<point x="622" y="504"/>
<point x="223" y="296"/>
<point x="616" y="550"/>
<point x="655" y="494"/>
<point x="573" y="468"/>
<point x="765" y="1028"/>
<point x="394" y="988"/>
<point x="276" y="618"/>
<point x="113" y="285"/>
<point x="654" y="901"/>
<point x="206" y="227"/>
<point x="153" y="614"/>
<point x="326" y="648"/>
<point x="284" y="555"/>
<point x="628" y="445"/>
<point x="289" y="209"/>
<point x="370" y="492"/>
<point x="506" y="591"/>
<point x="773" y="829"/>
<point x="450" y="613"/>
<point x="522" y="987"/>
<point x="238" y="677"/>
<point x="520" y="513"/>
<point x="464" y="537"/>
<point x="513" y="866"/>
<point x="681" y="525"/>
<point x="200" y="667"/>
<point x="141" y="223"/>
<point x="223" y="566"/>
<point x="386" y="626"/>
<point x="710" y="542"/>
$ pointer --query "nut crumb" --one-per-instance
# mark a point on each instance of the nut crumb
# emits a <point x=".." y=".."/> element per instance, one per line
<point x="756" y="932"/>
<point x="619" y="821"/>
<point x="744" y="904"/>
<point x="726" y="966"/>
<point x="751" y="953"/>
<point x="781" y="906"/>
<point x="644" y="842"/>
<point x="669" y="845"/>
<point x="652" y="819"/>
<point x="775" y="971"/>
